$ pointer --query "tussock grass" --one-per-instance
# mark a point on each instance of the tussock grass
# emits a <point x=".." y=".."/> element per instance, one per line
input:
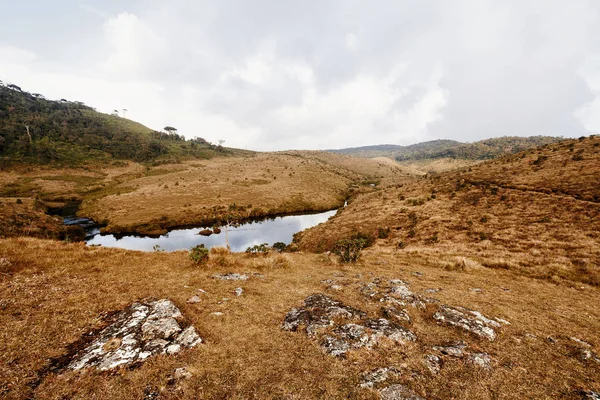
<point x="59" y="291"/>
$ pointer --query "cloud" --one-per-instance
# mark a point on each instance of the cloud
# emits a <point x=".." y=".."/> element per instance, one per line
<point x="274" y="75"/>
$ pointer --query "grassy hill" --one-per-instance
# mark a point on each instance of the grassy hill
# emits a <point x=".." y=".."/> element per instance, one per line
<point x="37" y="130"/>
<point x="436" y="149"/>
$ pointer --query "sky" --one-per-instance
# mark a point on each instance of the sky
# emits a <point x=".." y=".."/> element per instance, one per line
<point x="316" y="74"/>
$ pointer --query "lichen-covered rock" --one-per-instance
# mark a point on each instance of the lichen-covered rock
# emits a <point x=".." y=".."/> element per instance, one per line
<point x="384" y="328"/>
<point x="231" y="277"/>
<point x="318" y="313"/>
<point x="396" y="314"/>
<point x="341" y="327"/>
<point x="433" y="363"/>
<point x="238" y="291"/>
<point x="454" y="349"/>
<point x="482" y="360"/>
<point x="335" y="346"/>
<point x="586" y="354"/>
<point x="398" y="392"/>
<point x="139" y="331"/>
<point x="469" y="320"/>
<point x="590" y="395"/>
<point x="376" y="376"/>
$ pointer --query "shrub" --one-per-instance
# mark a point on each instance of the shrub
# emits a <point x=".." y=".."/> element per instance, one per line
<point x="383" y="233"/>
<point x="199" y="254"/>
<point x="349" y="249"/>
<point x="279" y="247"/>
<point x="258" y="249"/>
<point x="19" y="201"/>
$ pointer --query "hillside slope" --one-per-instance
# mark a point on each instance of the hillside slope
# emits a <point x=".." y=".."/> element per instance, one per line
<point x="538" y="221"/>
<point x="36" y="130"/>
<point x="436" y="149"/>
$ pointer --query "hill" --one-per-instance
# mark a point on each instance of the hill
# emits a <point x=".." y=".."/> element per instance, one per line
<point x="534" y="213"/>
<point x="436" y="149"/>
<point x="37" y="130"/>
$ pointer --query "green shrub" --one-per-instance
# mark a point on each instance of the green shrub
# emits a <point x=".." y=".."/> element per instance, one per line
<point x="279" y="247"/>
<point x="383" y="233"/>
<point x="258" y="249"/>
<point x="199" y="254"/>
<point x="349" y="249"/>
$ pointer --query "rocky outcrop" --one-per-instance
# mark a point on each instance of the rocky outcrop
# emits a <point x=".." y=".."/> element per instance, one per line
<point x="139" y="331"/>
<point x="231" y="277"/>
<point x="341" y="328"/>
<point x="469" y="320"/>
<point x="398" y="392"/>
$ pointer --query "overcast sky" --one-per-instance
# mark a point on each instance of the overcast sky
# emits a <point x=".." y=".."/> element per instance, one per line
<point x="283" y="74"/>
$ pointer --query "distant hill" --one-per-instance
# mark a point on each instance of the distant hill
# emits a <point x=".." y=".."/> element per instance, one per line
<point x="34" y="129"/>
<point x="435" y="149"/>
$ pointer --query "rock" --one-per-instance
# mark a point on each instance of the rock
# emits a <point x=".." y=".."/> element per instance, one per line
<point x="205" y="232"/>
<point x="476" y="290"/>
<point x="402" y="292"/>
<point x="189" y="337"/>
<point x="454" y="349"/>
<point x="317" y="313"/>
<point x="321" y="313"/>
<point x="139" y="331"/>
<point x="432" y="290"/>
<point x="376" y="376"/>
<point x="395" y="314"/>
<point x="384" y="328"/>
<point x="398" y="392"/>
<point x="173" y="348"/>
<point x="162" y="328"/>
<point x="406" y="296"/>
<point x="433" y="363"/>
<point x="590" y="395"/>
<point x="194" y="299"/>
<point x="231" y="277"/>
<point x="337" y="288"/>
<point x="417" y="273"/>
<point x="334" y="346"/>
<point x="238" y="291"/>
<point x="580" y="342"/>
<point x="482" y="360"/>
<point x="216" y="313"/>
<point x="588" y="355"/>
<point x="469" y="320"/>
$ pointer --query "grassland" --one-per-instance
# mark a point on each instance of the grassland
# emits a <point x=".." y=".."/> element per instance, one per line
<point x="245" y="353"/>
<point x="516" y="238"/>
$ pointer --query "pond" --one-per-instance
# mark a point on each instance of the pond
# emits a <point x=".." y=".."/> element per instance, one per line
<point x="278" y="229"/>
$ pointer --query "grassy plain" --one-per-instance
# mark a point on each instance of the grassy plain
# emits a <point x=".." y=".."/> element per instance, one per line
<point x="245" y="354"/>
<point x="514" y="238"/>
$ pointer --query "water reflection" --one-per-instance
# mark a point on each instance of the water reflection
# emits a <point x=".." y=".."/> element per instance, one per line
<point x="280" y="229"/>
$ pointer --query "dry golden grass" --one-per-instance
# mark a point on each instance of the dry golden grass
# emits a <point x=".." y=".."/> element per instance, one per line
<point x="206" y="193"/>
<point x="548" y="234"/>
<point x="56" y="292"/>
<point x="570" y="167"/>
<point x="437" y="165"/>
<point x="26" y="217"/>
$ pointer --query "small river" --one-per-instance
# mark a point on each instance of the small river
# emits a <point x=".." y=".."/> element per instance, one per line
<point x="278" y="229"/>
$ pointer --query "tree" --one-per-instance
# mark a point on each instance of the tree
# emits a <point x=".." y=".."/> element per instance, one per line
<point x="170" y="129"/>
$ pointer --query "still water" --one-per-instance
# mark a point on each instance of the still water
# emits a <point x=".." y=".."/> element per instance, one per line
<point x="279" y="229"/>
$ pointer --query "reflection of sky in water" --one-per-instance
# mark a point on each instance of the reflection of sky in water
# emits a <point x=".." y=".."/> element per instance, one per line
<point x="280" y="229"/>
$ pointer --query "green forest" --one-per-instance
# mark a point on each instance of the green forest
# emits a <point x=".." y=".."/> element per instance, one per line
<point x="37" y="130"/>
